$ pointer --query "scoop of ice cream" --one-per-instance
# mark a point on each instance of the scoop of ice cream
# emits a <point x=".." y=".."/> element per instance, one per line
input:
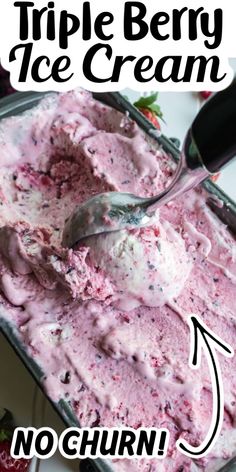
<point x="28" y="251"/>
<point x="148" y="266"/>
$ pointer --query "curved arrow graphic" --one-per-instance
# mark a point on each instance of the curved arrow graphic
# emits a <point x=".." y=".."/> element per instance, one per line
<point x="202" y="338"/>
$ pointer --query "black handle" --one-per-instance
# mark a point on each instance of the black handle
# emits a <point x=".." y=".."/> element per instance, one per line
<point x="214" y="129"/>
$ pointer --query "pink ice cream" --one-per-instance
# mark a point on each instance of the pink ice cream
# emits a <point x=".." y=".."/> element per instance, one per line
<point x="107" y="321"/>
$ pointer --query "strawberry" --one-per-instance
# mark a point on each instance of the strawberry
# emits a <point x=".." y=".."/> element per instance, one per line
<point x="205" y="94"/>
<point x="7" y="463"/>
<point x="148" y="107"/>
<point x="151" y="117"/>
<point x="215" y="177"/>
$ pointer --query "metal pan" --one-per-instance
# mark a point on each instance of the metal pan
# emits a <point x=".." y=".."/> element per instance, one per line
<point x="20" y="102"/>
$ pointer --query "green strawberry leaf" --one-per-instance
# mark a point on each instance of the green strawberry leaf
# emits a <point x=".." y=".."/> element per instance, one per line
<point x="148" y="103"/>
<point x="145" y="102"/>
<point x="156" y="109"/>
<point x="5" y="435"/>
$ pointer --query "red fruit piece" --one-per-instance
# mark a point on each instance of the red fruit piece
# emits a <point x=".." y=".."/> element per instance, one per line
<point x="151" y="117"/>
<point x="205" y="94"/>
<point x="215" y="177"/>
<point x="7" y="463"/>
<point x="149" y="108"/>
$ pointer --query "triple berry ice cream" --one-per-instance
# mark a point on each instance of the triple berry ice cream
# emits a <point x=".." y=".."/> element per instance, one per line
<point x="107" y="320"/>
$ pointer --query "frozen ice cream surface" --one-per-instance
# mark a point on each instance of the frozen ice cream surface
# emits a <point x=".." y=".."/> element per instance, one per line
<point x="147" y="266"/>
<point x="107" y="321"/>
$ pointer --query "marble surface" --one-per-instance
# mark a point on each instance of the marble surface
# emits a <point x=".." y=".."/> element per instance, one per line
<point x="18" y="391"/>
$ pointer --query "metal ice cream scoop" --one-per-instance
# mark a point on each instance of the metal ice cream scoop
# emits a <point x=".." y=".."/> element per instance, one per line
<point x="209" y="145"/>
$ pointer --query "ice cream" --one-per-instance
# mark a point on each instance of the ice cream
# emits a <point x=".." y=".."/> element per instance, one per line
<point x="147" y="266"/>
<point x="107" y="321"/>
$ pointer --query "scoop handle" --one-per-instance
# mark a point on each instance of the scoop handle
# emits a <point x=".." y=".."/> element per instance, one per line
<point x="213" y="132"/>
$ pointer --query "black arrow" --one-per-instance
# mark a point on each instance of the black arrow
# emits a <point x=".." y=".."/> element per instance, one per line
<point x="203" y="338"/>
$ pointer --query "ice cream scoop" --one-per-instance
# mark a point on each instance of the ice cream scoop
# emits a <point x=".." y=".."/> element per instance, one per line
<point x="209" y="145"/>
<point x="147" y="266"/>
